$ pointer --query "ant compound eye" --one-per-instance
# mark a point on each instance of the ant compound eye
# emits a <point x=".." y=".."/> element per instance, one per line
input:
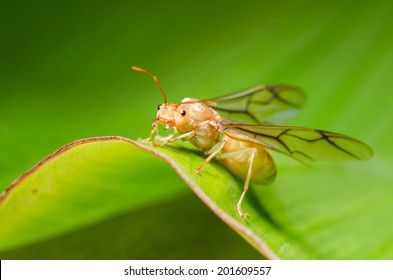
<point x="159" y="106"/>
<point x="183" y="113"/>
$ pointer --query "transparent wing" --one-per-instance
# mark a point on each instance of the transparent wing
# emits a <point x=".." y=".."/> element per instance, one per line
<point x="303" y="144"/>
<point x="262" y="104"/>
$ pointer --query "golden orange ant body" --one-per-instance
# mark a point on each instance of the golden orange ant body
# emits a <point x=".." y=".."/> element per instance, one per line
<point x="244" y="147"/>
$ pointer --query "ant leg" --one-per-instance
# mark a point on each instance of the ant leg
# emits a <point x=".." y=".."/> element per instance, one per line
<point x="147" y="140"/>
<point x="164" y="138"/>
<point x="173" y="139"/>
<point x="160" y="138"/>
<point x="212" y="153"/>
<point x="252" y="152"/>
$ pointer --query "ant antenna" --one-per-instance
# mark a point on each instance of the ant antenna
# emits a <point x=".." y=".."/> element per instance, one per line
<point x="154" y="78"/>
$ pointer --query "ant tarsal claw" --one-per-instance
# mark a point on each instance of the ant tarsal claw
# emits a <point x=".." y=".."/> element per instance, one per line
<point x="243" y="214"/>
<point x="156" y="145"/>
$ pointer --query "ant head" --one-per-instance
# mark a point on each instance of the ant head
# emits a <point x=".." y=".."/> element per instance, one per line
<point x="168" y="114"/>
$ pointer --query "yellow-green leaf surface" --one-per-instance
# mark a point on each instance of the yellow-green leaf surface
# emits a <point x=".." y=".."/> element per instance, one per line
<point x="90" y="179"/>
<point x="65" y="75"/>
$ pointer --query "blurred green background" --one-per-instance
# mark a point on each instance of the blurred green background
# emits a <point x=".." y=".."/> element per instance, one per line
<point x="65" y="75"/>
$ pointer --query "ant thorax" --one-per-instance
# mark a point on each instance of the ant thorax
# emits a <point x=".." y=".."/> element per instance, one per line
<point x="203" y="120"/>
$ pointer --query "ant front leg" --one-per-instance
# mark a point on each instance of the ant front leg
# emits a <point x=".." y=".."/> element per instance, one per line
<point x="160" y="138"/>
<point x="148" y="140"/>
<point x="166" y="139"/>
<point x="171" y="139"/>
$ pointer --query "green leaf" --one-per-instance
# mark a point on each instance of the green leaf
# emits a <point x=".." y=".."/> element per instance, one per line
<point x="94" y="178"/>
<point x="85" y="181"/>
